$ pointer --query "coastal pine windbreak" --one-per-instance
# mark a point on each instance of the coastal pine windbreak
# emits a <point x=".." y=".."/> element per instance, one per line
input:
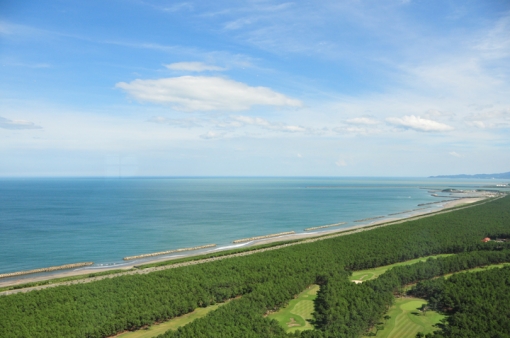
<point x="268" y="280"/>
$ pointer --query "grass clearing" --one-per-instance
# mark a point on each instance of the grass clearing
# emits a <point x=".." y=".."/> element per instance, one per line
<point x="297" y="315"/>
<point x="407" y="320"/>
<point x="482" y="268"/>
<point x="364" y="275"/>
<point x="172" y="324"/>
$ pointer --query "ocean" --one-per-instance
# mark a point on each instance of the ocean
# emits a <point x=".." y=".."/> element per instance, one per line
<point x="54" y="221"/>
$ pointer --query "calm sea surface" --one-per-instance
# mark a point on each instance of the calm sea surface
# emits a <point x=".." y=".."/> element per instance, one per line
<point x="45" y="222"/>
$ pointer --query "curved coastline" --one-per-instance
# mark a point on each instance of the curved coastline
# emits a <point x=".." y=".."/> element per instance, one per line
<point x="282" y="242"/>
<point x="252" y="241"/>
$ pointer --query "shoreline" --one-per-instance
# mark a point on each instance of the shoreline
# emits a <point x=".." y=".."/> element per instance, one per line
<point x="391" y="220"/>
<point x="406" y="215"/>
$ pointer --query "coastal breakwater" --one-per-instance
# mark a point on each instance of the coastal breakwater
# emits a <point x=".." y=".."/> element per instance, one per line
<point x="369" y="219"/>
<point x="405" y="212"/>
<point x="169" y="252"/>
<point x="453" y="197"/>
<point x="325" y="226"/>
<point x="263" y="237"/>
<point x="443" y="201"/>
<point x="50" y="269"/>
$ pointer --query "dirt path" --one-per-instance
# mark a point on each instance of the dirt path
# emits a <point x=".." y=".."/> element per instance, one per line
<point x="252" y="252"/>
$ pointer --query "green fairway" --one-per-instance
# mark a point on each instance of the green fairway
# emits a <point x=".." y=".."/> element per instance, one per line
<point x="172" y="324"/>
<point x="364" y="275"/>
<point x="483" y="268"/>
<point x="297" y="314"/>
<point x="407" y="320"/>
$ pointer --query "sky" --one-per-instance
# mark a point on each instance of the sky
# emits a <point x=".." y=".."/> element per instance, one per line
<point x="254" y="88"/>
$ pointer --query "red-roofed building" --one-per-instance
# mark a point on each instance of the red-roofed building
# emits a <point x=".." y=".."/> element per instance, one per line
<point x="486" y="239"/>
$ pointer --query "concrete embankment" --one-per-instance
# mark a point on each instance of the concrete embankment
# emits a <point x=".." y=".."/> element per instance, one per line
<point x="452" y="197"/>
<point x="51" y="268"/>
<point x="263" y="237"/>
<point x="369" y="219"/>
<point x="405" y="212"/>
<point x="398" y="213"/>
<point x="169" y="252"/>
<point x="325" y="226"/>
<point x="443" y="201"/>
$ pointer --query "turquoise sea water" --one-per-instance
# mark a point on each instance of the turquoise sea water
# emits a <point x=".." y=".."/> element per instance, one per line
<point x="46" y="222"/>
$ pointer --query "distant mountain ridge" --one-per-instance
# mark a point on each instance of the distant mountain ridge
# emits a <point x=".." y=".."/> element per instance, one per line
<point x="489" y="176"/>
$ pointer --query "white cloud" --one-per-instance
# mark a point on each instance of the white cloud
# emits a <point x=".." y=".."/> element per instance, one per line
<point x="363" y="125"/>
<point x="260" y="122"/>
<point x="419" y="124"/>
<point x="454" y="77"/>
<point x="201" y="93"/>
<point x="490" y="119"/>
<point x="341" y="163"/>
<point x="236" y="24"/>
<point x="477" y="106"/>
<point x="434" y="113"/>
<point x="230" y="123"/>
<point x="252" y="120"/>
<point x="183" y="123"/>
<point x="502" y="114"/>
<point x="496" y="43"/>
<point x="8" y="28"/>
<point x="29" y="65"/>
<point x="292" y="128"/>
<point x="478" y="124"/>
<point x="212" y="135"/>
<point x="453" y="153"/>
<point x="4" y="29"/>
<point x="193" y="67"/>
<point x="177" y="7"/>
<point x="17" y="124"/>
<point x="362" y="120"/>
<point x="343" y="130"/>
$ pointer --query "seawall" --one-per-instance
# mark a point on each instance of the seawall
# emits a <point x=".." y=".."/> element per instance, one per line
<point x="51" y="268"/>
<point x="169" y="252"/>
<point x="325" y="226"/>
<point x="369" y="219"/>
<point x="263" y="237"/>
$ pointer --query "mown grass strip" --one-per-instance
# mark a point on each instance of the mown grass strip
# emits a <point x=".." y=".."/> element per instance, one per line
<point x="172" y="324"/>
<point x="364" y="275"/>
<point x="481" y="268"/>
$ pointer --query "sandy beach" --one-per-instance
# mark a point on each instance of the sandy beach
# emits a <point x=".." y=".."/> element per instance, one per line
<point x="386" y="221"/>
<point x="328" y="232"/>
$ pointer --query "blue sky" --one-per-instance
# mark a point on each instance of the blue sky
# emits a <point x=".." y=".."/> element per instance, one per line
<point x="254" y="88"/>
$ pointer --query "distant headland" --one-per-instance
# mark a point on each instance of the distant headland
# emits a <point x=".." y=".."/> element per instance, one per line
<point x="483" y="176"/>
